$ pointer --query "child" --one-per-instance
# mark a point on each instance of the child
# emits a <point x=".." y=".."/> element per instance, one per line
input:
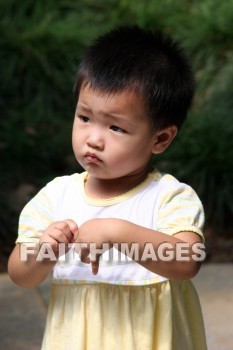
<point x="138" y="232"/>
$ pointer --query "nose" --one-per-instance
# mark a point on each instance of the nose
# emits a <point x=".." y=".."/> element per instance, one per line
<point x="95" y="139"/>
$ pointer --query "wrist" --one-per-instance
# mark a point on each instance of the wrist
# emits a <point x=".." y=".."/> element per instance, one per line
<point x="115" y="230"/>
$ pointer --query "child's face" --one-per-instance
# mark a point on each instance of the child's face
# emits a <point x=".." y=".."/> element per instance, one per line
<point x="112" y="137"/>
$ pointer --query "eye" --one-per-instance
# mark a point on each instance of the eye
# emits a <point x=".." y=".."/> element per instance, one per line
<point x="117" y="129"/>
<point x="84" y="119"/>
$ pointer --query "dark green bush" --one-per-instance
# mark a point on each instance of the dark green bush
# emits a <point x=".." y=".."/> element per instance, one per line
<point x="202" y="156"/>
<point x="40" y="44"/>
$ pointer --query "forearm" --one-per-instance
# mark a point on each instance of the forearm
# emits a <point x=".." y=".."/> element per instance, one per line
<point x="30" y="272"/>
<point x="127" y="232"/>
<point x="29" y="266"/>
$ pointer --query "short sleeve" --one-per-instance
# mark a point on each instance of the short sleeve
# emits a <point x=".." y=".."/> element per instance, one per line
<point x="179" y="208"/>
<point x="37" y="215"/>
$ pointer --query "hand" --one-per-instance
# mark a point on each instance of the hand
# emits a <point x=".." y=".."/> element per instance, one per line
<point x="59" y="232"/>
<point x="96" y="236"/>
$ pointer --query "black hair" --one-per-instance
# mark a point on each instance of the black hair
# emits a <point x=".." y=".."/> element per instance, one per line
<point x="151" y="64"/>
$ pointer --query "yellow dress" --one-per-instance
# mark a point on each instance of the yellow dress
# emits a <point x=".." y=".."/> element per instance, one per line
<point x="161" y="316"/>
<point x="125" y="306"/>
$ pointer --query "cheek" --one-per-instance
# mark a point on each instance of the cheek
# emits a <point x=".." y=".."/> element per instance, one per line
<point x="77" y="133"/>
<point x="74" y="138"/>
<point x="122" y="152"/>
<point x="76" y="142"/>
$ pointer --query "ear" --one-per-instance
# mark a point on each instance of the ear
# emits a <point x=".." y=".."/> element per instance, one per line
<point x="163" y="138"/>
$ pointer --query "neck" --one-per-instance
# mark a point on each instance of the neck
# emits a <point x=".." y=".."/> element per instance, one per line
<point x="109" y="188"/>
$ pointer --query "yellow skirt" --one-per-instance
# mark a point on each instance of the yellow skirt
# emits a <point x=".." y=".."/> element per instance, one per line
<point x="162" y="316"/>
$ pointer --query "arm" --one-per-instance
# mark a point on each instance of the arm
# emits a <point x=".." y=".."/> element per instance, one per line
<point x="173" y="269"/>
<point x="28" y="273"/>
<point x="31" y="272"/>
<point x="116" y="231"/>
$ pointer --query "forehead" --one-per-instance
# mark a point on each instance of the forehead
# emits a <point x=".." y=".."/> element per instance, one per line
<point x="119" y="102"/>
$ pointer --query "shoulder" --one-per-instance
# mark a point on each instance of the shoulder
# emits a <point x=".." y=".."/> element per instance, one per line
<point x="66" y="179"/>
<point x="173" y="194"/>
<point x="63" y="182"/>
<point x="168" y="185"/>
<point x="169" y="181"/>
<point x="178" y="207"/>
<point x="57" y="189"/>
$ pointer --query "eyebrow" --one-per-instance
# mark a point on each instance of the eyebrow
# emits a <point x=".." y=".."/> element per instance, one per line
<point x="84" y="108"/>
<point x="114" y="117"/>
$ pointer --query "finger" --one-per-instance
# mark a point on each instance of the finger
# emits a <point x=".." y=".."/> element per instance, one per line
<point x="53" y="243"/>
<point x="95" y="266"/>
<point x="84" y="255"/>
<point x="73" y="228"/>
<point x="63" y="231"/>
<point x="61" y="236"/>
<point x="95" y="262"/>
<point x="72" y="225"/>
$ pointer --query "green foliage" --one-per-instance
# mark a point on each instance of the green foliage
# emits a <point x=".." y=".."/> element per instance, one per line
<point x="40" y="46"/>
<point x="7" y="236"/>
<point x="41" y="43"/>
<point x="202" y="156"/>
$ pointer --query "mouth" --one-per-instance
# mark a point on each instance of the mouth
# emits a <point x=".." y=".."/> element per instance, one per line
<point x="91" y="158"/>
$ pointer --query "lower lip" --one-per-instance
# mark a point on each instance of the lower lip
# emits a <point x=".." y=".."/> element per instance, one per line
<point x="91" y="159"/>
